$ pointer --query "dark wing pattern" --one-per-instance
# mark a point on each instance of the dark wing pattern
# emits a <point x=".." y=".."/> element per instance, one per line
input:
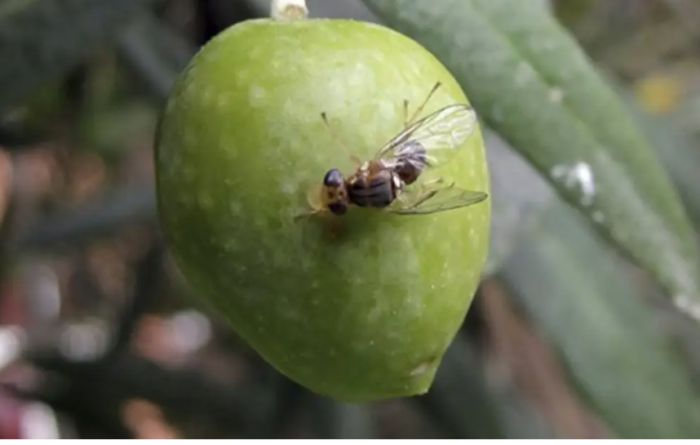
<point x="434" y="198"/>
<point x="438" y="134"/>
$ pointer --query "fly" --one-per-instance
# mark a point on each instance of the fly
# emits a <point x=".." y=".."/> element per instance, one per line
<point x="387" y="181"/>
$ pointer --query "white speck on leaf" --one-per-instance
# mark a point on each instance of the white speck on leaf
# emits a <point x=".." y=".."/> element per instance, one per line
<point x="577" y="176"/>
<point x="556" y="95"/>
<point x="687" y="305"/>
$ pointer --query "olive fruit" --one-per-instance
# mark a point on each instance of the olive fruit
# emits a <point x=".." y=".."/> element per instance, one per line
<point x="358" y="307"/>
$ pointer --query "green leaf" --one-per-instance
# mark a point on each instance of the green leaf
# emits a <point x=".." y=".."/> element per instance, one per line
<point x="680" y="155"/>
<point x="585" y="304"/>
<point x="531" y="82"/>
<point x="675" y="148"/>
<point x="519" y="197"/>
<point x="40" y="40"/>
<point x="574" y="287"/>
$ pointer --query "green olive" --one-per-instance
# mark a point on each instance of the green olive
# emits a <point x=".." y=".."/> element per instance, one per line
<point x="358" y="307"/>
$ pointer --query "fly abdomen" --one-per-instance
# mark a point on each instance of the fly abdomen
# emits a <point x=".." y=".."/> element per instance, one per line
<point x="411" y="161"/>
<point x="372" y="191"/>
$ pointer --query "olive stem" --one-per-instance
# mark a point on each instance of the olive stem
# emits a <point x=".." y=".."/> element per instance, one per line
<point x="289" y="10"/>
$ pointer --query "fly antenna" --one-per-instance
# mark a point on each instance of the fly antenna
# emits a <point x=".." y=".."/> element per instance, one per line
<point x="336" y="137"/>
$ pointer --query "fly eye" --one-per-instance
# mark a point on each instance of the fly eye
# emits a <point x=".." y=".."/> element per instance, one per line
<point x="333" y="178"/>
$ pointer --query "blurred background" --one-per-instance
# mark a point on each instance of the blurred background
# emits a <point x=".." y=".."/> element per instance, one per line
<point x="100" y="336"/>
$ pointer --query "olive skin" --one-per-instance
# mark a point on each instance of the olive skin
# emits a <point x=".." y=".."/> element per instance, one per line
<point x="361" y="306"/>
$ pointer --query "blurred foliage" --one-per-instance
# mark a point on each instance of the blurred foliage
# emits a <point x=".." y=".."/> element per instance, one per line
<point x="589" y="296"/>
<point x="98" y="336"/>
<point x="42" y="40"/>
<point x="576" y="288"/>
<point x="678" y="152"/>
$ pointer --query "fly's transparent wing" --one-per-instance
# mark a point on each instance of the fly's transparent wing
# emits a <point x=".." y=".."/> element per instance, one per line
<point x="432" y="198"/>
<point x="436" y="136"/>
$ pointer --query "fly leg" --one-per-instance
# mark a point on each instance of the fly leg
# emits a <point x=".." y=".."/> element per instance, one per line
<point x="410" y="120"/>
<point x="427" y="191"/>
<point x="435" y="181"/>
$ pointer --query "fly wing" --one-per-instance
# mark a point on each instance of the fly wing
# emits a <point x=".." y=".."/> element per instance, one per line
<point x="439" y="134"/>
<point x="435" y="198"/>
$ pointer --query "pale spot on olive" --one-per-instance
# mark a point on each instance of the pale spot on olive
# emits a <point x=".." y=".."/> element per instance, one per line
<point x="422" y="367"/>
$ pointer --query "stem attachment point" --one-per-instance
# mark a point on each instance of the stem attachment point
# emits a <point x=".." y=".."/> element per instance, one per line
<point x="289" y="10"/>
